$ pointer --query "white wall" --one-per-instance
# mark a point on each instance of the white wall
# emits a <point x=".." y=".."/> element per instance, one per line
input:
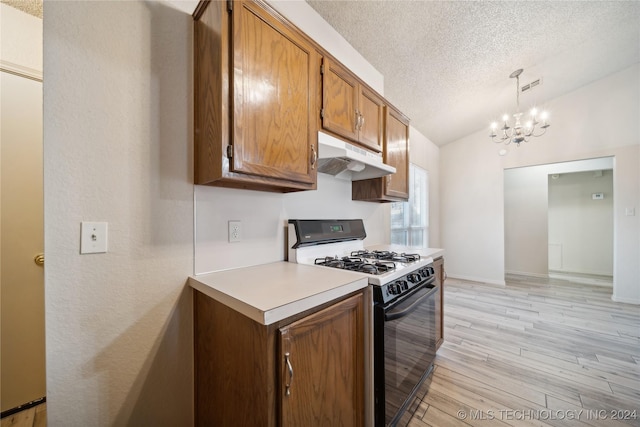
<point x="580" y="225"/>
<point x="117" y="148"/>
<point x="526" y="214"/>
<point x="264" y="216"/>
<point x="471" y="210"/>
<point x="586" y="123"/>
<point x="526" y="221"/>
<point x="21" y="54"/>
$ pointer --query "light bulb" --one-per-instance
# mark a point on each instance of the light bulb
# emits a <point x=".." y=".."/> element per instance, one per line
<point x="505" y="117"/>
<point x="544" y="115"/>
<point x="494" y="126"/>
<point x="534" y="111"/>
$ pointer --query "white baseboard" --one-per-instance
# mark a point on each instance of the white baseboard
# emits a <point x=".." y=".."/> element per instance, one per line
<point x="527" y="274"/>
<point x="477" y="279"/>
<point x="578" y="273"/>
<point x="597" y="280"/>
<point x="625" y="300"/>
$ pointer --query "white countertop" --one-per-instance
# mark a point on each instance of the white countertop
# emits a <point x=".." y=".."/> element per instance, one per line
<point x="272" y="292"/>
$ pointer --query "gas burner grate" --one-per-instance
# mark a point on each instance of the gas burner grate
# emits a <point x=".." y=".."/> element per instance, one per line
<point x="357" y="263"/>
<point x="386" y="256"/>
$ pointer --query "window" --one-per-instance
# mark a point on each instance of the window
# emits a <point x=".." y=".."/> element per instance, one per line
<point x="410" y="220"/>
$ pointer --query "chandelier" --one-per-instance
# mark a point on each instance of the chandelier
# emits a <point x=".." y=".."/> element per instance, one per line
<point x="536" y="125"/>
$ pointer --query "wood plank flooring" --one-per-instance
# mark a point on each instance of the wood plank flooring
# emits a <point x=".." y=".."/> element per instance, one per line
<point x="534" y="353"/>
<point x="538" y="352"/>
<point x="35" y="416"/>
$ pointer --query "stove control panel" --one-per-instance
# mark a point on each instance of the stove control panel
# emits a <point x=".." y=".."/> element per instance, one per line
<point x="390" y="291"/>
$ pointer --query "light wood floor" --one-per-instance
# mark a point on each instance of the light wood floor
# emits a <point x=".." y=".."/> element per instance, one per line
<point x="535" y="353"/>
<point x="32" y="417"/>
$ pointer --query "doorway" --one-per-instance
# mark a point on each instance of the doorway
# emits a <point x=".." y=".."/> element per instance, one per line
<point x="581" y="226"/>
<point x="22" y="349"/>
<point x="529" y="251"/>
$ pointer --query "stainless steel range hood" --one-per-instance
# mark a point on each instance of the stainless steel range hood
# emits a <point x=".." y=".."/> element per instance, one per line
<point x="348" y="162"/>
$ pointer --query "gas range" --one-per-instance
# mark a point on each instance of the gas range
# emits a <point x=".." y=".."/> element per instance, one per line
<point x="405" y="306"/>
<point x="339" y="244"/>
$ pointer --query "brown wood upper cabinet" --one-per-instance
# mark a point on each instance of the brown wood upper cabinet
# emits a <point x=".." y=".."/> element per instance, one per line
<point x="349" y="108"/>
<point x="395" y="187"/>
<point x="256" y="106"/>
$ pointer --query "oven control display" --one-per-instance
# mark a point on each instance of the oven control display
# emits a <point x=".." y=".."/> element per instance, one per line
<point x="337" y="228"/>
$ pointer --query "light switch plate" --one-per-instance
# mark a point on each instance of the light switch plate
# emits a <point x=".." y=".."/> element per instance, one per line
<point x="93" y="237"/>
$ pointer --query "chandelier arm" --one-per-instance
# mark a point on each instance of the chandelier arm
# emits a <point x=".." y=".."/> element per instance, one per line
<point x="544" y="130"/>
<point x="498" y="141"/>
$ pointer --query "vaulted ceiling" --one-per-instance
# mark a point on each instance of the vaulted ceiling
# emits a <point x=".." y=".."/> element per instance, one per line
<point x="32" y="7"/>
<point x="446" y="64"/>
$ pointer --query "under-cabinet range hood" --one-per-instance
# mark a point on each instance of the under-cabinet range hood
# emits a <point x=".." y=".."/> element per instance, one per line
<point x="346" y="161"/>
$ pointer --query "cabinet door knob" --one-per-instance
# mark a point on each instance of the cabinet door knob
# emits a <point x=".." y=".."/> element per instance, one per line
<point x="287" y="387"/>
<point x="314" y="156"/>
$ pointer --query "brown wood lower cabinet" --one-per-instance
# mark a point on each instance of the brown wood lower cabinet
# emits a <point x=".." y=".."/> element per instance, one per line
<point x="438" y="265"/>
<point x="306" y="370"/>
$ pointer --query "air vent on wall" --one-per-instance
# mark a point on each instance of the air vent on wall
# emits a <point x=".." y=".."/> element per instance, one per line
<point x="529" y="86"/>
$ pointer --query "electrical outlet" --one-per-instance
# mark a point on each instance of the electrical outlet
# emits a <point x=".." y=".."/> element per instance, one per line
<point x="235" y="231"/>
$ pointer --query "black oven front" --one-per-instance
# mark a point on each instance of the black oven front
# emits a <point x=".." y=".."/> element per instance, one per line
<point x="404" y="344"/>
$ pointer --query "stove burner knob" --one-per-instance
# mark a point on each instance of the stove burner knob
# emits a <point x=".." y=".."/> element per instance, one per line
<point x="394" y="289"/>
<point x="403" y="285"/>
<point x="414" y="277"/>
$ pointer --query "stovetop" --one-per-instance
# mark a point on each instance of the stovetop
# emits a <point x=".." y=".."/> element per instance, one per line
<point x="340" y="244"/>
<point x="366" y="261"/>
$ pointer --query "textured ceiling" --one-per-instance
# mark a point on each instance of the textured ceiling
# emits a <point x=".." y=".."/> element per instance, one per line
<point x="446" y="64"/>
<point x="32" y="7"/>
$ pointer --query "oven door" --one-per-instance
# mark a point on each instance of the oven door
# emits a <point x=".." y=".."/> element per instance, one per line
<point x="404" y="351"/>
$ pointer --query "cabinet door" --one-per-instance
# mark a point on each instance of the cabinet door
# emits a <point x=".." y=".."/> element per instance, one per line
<point x="339" y="100"/>
<point x="371" y="121"/>
<point x="322" y="367"/>
<point x="274" y="74"/>
<point x="396" y="154"/>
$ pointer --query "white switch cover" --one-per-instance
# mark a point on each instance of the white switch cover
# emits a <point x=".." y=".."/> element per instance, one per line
<point x="93" y="237"/>
<point x="630" y="211"/>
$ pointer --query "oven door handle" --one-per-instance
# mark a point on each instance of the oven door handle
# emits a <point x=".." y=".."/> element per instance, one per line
<point x="412" y="307"/>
